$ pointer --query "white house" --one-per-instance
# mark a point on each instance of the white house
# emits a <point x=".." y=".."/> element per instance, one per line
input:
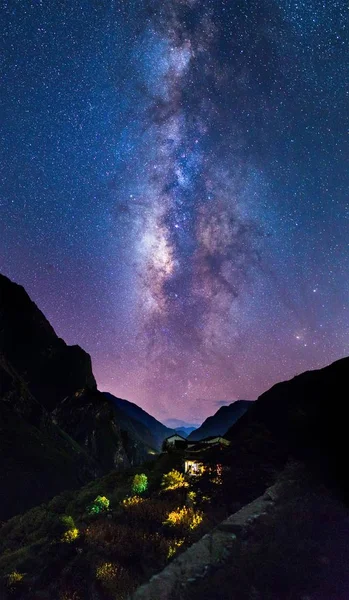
<point x="212" y="440"/>
<point x="173" y="439"/>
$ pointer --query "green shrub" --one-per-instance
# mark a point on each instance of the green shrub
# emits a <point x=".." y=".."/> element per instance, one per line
<point x="139" y="484"/>
<point x="60" y="525"/>
<point x="100" y="504"/>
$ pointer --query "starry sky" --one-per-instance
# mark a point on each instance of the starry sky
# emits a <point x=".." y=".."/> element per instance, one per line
<point x="174" y="189"/>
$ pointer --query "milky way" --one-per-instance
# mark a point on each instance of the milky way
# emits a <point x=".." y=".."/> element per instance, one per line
<point x="195" y="245"/>
<point x="174" y="190"/>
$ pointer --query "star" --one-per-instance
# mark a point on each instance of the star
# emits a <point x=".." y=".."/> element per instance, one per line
<point x="174" y="190"/>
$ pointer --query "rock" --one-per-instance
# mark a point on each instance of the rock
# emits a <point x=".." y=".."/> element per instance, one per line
<point x="59" y="430"/>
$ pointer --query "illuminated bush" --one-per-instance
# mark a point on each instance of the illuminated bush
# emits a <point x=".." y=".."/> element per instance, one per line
<point x="64" y="529"/>
<point x="185" y="517"/>
<point x="140" y="483"/>
<point x="67" y="522"/>
<point x="14" y="578"/>
<point x="192" y="496"/>
<point x="132" y="501"/>
<point x="174" y="545"/>
<point x="70" y="535"/>
<point x="60" y="527"/>
<point x="106" y="572"/>
<point x="115" y="579"/>
<point x="173" y="480"/>
<point x="100" y="504"/>
<point x="217" y="480"/>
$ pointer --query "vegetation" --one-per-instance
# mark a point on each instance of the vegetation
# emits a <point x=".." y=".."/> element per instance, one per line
<point x="70" y="535"/>
<point x="112" y="534"/>
<point x="173" y="548"/>
<point x="100" y="504"/>
<point x="132" y="501"/>
<point x="185" y="518"/>
<point x="115" y="579"/>
<point x="14" y="578"/>
<point x="174" y="480"/>
<point x="140" y="483"/>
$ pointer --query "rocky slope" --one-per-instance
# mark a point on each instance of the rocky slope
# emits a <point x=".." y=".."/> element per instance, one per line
<point x="51" y="369"/>
<point x="306" y="417"/>
<point x="218" y="423"/>
<point x="37" y="458"/>
<point x="58" y="430"/>
<point x="149" y="428"/>
<point x="287" y="482"/>
<point x="290" y="543"/>
<point x="286" y="537"/>
<point x="114" y="439"/>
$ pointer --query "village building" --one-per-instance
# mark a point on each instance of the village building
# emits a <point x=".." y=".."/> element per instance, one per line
<point x="174" y="441"/>
<point x="197" y="454"/>
<point x="205" y="452"/>
<point x="193" y="467"/>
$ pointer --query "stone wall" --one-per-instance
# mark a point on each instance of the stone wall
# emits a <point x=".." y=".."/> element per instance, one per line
<point x="207" y="553"/>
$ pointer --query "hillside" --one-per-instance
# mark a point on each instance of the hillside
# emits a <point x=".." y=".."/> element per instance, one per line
<point x="38" y="459"/>
<point x="299" y="417"/>
<point x="291" y="543"/>
<point x="220" y="422"/>
<point x="112" y="439"/>
<point x="286" y="475"/>
<point x="58" y="430"/>
<point x="51" y="369"/>
<point x="268" y="500"/>
<point x="156" y="431"/>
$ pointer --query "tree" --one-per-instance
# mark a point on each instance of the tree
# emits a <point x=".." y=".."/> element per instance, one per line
<point x="139" y="484"/>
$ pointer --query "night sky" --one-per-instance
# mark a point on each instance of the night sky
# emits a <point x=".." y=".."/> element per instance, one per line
<point x="174" y="189"/>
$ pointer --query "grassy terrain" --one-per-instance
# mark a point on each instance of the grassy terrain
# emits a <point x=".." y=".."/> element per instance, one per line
<point x="63" y="550"/>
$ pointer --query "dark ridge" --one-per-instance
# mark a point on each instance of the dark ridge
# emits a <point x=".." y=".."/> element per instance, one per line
<point x="218" y="423"/>
<point x="307" y="417"/>
<point x="51" y="369"/>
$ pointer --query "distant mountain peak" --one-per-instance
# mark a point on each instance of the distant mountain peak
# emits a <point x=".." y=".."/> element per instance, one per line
<point x="156" y="430"/>
<point x="179" y="424"/>
<point x="220" y="422"/>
